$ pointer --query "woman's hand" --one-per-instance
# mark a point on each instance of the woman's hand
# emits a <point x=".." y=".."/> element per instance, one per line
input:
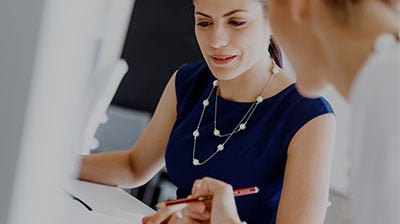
<point x="178" y="214"/>
<point x="222" y="208"/>
<point x="167" y="214"/>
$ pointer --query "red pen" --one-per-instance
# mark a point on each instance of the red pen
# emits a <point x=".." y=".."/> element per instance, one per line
<point x="236" y="193"/>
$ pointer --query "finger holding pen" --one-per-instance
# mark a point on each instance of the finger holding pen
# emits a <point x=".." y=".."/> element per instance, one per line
<point x="196" y="212"/>
<point x="222" y="207"/>
<point x="211" y="200"/>
<point x="192" y="199"/>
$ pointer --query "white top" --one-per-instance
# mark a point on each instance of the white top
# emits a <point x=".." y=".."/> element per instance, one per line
<point x="375" y="137"/>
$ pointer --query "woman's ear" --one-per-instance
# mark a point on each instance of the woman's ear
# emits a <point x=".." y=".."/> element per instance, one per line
<point x="299" y="10"/>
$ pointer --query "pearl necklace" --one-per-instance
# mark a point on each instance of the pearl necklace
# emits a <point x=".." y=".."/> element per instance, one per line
<point x="241" y="126"/>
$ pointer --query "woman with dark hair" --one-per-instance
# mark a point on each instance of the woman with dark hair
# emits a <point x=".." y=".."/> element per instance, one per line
<point x="235" y="116"/>
<point x="353" y="45"/>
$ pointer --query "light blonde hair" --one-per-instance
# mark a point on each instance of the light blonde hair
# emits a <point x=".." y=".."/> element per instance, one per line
<point x="345" y="7"/>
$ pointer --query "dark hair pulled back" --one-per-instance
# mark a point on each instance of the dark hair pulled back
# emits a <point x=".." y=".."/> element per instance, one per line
<point x="273" y="48"/>
<point x="275" y="53"/>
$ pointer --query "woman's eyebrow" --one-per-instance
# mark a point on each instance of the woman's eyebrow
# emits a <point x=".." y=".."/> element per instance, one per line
<point x="225" y="15"/>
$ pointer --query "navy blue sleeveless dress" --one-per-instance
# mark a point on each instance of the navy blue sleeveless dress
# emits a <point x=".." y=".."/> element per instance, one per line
<point x="253" y="157"/>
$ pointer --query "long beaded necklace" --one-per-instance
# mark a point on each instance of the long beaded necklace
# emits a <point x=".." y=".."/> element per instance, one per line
<point x="241" y="126"/>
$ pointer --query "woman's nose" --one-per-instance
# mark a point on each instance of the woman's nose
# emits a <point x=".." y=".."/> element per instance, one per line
<point x="219" y="37"/>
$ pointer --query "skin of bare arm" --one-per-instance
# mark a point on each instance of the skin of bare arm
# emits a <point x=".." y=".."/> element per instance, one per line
<point x="305" y="189"/>
<point x="134" y="167"/>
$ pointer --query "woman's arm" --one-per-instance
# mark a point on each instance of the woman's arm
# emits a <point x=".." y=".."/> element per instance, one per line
<point x="305" y="190"/>
<point x="136" y="166"/>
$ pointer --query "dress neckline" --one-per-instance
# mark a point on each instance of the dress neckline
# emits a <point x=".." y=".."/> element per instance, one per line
<point x="287" y="88"/>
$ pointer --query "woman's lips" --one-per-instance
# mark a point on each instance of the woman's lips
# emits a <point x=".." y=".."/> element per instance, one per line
<point x="222" y="59"/>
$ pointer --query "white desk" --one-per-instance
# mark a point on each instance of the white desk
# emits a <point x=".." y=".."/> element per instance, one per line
<point x="109" y="205"/>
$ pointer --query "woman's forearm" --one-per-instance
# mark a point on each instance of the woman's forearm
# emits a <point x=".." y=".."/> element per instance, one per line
<point x="110" y="168"/>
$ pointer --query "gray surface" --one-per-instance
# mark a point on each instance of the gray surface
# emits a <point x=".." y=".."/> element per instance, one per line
<point x="123" y="128"/>
<point x="336" y="213"/>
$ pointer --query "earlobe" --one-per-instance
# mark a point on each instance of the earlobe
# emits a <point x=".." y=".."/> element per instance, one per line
<point x="299" y="10"/>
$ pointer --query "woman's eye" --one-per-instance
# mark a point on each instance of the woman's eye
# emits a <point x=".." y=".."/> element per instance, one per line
<point x="237" y="23"/>
<point x="204" y="24"/>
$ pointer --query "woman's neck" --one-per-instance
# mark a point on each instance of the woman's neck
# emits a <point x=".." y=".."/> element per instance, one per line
<point x="247" y="86"/>
<point x="348" y="46"/>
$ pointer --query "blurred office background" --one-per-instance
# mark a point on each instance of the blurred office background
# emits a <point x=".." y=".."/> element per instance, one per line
<point x="160" y="38"/>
